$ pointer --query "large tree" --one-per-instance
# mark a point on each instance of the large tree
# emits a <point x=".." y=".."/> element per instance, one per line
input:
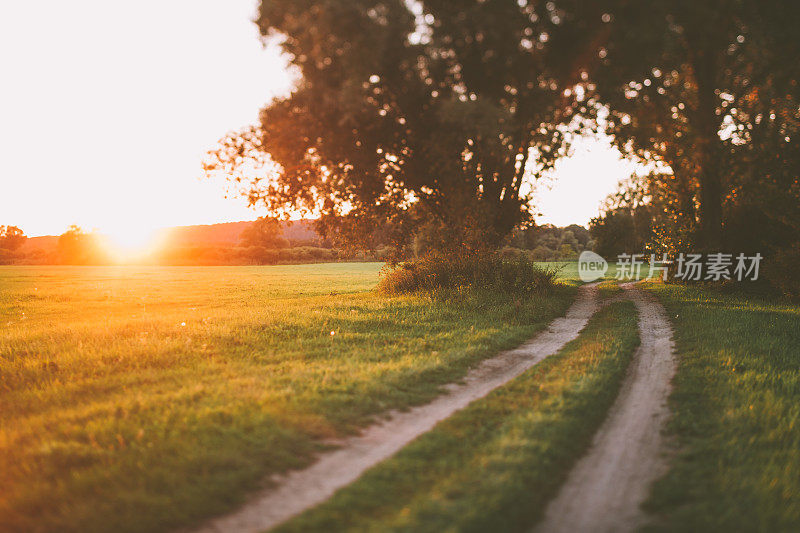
<point x="76" y="247"/>
<point x="413" y="114"/>
<point x="434" y="114"/>
<point x="709" y="88"/>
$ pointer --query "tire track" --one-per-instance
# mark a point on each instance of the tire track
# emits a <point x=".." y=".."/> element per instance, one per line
<point x="605" y="489"/>
<point x="299" y="490"/>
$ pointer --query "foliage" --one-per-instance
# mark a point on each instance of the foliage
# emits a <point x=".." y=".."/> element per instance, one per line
<point x="253" y="255"/>
<point x="75" y="247"/>
<point x="781" y="271"/>
<point x="710" y="91"/>
<point x="438" y="275"/>
<point x="11" y="238"/>
<point x="424" y="119"/>
<point x="622" y="230"/>
<point x="265" y="232"/>
<point x="551" y="243"/>
<point x="217" y="245"/>
<point x="411" y="113"/>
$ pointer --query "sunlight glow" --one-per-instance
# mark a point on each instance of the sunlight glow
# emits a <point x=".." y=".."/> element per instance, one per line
<point x="134" y="115"/>
<point x="130" y="243"/>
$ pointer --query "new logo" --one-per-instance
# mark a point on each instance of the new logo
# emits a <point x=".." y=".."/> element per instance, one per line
<point x="591" y="266"/>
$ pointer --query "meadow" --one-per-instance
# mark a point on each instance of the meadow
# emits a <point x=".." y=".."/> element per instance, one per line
<point x="494" y="465"/>
<point x="148" y="398"/>
<point x="736" y="412"/>
<point x="151" y="398"/>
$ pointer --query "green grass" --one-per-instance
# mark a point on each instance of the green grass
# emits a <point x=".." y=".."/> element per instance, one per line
<point x="143" y="399"/>
<point x="736" y="405"/>
<point x="568" y="270"/>
<point x="609" y="289"/>
<point x="494" y="465"/>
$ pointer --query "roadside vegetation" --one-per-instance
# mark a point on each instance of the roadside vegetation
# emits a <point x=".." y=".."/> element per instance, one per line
<point x="438" y="275"/>
<point x="736" y="413"/>
<point x="147" y="398"/>
<point x="494" y="465"/>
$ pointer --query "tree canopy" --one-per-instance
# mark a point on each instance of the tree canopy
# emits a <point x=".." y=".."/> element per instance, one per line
<point x="265" y="232"/>
<point x="11" y="238"/>
<point x="76" y="247"/>
<point x="415" y="114"/>
<point x="709" y="89"/>
<point x="430" y="116"/>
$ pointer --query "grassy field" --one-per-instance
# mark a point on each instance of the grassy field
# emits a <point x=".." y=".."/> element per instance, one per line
<point x="494" y="465"/>
<point x="145" y="399"/>
<point x="141" y="399"/>
<point x="568" y="271"/>
<point x="736" y="409"/>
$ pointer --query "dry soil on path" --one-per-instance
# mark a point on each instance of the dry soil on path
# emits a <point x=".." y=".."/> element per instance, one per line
<point x="299" y="490"/>
<point x="605" y="489"/>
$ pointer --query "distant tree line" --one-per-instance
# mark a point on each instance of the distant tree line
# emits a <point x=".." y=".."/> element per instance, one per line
<point x="260" y="243"/>
<point x="551" y="243"/>
<point x="11" y="238"/>
<point x="264" y="242"/>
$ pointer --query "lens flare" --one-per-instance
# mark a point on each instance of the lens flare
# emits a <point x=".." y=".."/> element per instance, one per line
<point x="129" y="244"/>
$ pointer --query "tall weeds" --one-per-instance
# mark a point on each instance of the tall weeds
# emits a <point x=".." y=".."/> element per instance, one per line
<point x="484" y="272"/>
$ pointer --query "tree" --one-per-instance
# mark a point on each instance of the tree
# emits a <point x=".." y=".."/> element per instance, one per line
<point x="11" y="238"/>
<point x="264" y="232"/>
<point x="763" y="202"/>
<point x="621" y="230"/>
<point x="415" y="113"/>
<point x="435" y="113"/>
<point x="75" y="247"/>
<point x="710" y="89"/>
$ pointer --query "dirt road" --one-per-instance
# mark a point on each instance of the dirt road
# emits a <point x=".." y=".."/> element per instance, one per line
<point x="302" y="489"/>
<point x="605" y="489"/>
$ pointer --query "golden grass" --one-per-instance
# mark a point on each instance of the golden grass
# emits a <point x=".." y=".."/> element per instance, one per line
<point x="141" y="399"/>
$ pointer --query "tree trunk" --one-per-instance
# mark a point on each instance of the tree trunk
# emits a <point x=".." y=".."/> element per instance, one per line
<point x="708" y="148"/>
<point x="710" y="206"/>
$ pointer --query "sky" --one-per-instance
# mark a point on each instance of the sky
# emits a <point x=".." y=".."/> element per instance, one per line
<point x="572" y="193"/>
<point x="107" y="108"/>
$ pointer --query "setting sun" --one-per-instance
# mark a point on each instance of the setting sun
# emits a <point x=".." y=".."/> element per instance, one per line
<point x="130" y="243"/>
<point x="124" y="96"/>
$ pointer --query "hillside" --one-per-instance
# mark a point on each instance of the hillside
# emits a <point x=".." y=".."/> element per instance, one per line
<point x="227" y="233"/>
<point x="223" y="234"/>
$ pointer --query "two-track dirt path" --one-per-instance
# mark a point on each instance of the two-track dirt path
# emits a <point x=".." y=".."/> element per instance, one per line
<point x="302" y="489"/>
<point x="603" y="492"/>
<point x="605" y="489"/>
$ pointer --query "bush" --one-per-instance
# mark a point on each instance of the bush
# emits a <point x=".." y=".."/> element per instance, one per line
<point x="510" y="253"/>
<point x="543" y="253"/>
<point x="491" y="272"/>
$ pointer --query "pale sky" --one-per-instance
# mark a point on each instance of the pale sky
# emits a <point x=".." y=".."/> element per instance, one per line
<point x="107" y="107"/>
<point x="574" y="190"/>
